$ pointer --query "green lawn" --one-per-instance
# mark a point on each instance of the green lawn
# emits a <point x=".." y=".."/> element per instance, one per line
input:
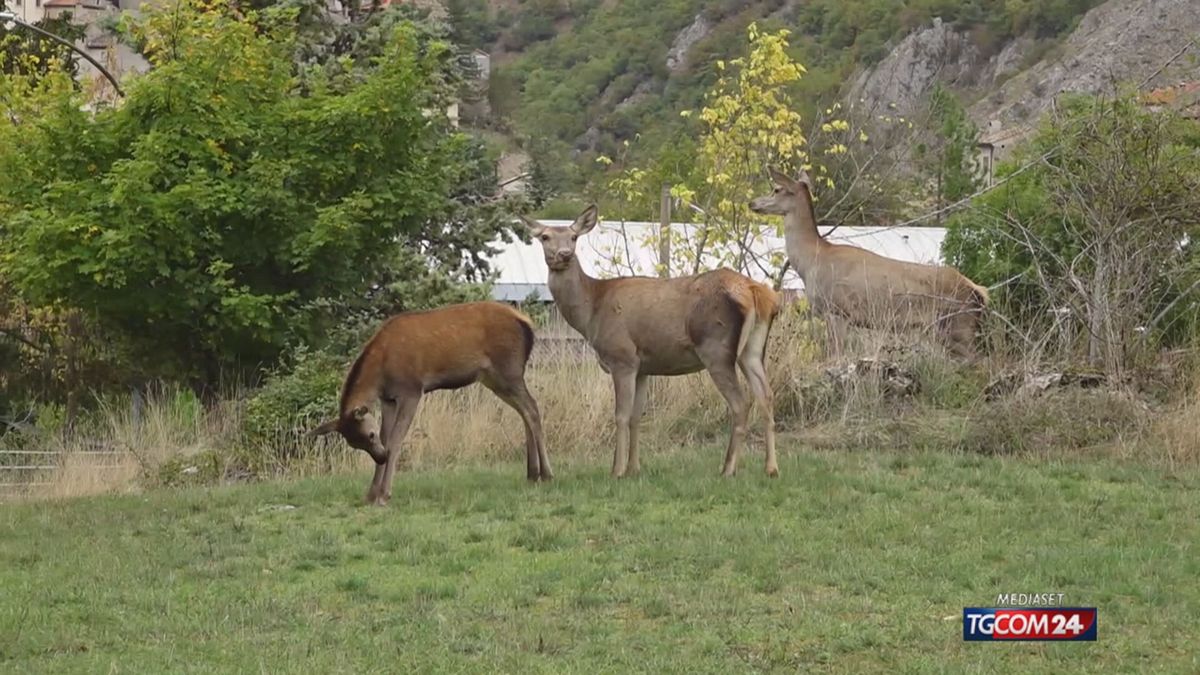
<point x="848" y="563"/>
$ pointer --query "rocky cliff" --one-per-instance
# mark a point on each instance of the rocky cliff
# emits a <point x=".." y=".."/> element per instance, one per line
<point x="1143" y="43"/>
<point x="1139" y="43"/>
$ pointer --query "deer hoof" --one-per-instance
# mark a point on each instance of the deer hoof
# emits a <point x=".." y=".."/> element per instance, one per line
<point x="381" y="500"/>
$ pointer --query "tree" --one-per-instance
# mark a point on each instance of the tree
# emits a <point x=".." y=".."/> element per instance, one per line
<point x="472" y="23"/>
<point x="748" y="121"/>
<point x="24" y="52"/>
<point x="951" y="157"/>
<point x="1093" y="231"/>
<point x="222" y="212"/>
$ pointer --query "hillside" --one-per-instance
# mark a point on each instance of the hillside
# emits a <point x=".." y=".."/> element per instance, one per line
<point x="574" y="79"/>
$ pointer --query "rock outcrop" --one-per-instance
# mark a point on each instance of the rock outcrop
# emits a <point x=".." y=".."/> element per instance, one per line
<point x="695" y="32"/>
<point x="1119" y="42"/>
<point x="1143" y="43"/>
<point x="904" y="78"/>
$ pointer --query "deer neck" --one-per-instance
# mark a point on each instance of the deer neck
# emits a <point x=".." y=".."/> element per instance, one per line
<point x="803" y="241"/>
<point x="574" y="293"/>
<point x="364" y="383"/>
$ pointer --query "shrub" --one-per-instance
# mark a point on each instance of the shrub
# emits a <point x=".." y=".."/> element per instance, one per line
<point x="291" y="402"/>
<point x="1070" y="419"/>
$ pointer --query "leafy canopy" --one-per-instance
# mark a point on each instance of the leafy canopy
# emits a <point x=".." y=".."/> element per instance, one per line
<point x="748" y="122"/>
<point x="227" y="205"/>
<point x="1094" y="228"/>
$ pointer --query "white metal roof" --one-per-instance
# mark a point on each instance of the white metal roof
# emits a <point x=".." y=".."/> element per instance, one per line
<point x="613" y="249"/>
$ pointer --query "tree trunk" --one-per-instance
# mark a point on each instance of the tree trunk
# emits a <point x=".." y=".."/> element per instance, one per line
<point x="1098" y="310"/>
<point x="664" y="233"/>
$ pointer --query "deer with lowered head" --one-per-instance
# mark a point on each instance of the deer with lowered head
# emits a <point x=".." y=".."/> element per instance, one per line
<point x="846" y="284"/>
<point x="415" y="353"/>
<point x="641" y="326"/>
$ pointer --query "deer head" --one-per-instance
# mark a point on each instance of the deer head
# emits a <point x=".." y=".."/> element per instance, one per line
<point x="360" y="429"/>
<point x="558" y="243"/>
<point x="786" y="196"/>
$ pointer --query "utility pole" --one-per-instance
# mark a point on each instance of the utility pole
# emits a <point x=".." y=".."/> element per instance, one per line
<point x="664" y="233"/>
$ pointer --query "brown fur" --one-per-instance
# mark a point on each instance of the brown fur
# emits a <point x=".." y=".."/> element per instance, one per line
<point x="641" y="326"/>
<point x="418" y="352"/>
<point x="847" y="284"/>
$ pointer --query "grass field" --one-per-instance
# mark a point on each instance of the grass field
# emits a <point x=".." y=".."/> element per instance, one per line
<point x="854" y="562"/>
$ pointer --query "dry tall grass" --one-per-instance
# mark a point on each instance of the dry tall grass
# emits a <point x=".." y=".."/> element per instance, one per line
<point x="118" y="449"/>
<point x="176" y="440"/>
<point x="1175" y="435"/>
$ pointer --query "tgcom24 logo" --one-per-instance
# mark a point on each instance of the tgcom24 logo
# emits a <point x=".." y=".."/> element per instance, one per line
<point x="1029" y="624"/>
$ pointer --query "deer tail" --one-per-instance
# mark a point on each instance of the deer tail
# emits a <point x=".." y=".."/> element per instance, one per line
<point x="763" y="307"/>
<point x="766" y="301"/>
<point x="527" y="329"/>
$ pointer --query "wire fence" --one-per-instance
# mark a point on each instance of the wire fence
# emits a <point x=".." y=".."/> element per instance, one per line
<point x="23" y="469"/>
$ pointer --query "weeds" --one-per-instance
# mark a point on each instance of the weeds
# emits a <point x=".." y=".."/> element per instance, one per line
<point x="174" y="440"/>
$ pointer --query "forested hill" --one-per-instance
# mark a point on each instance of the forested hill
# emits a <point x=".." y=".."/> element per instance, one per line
<point x="583" y="75"/>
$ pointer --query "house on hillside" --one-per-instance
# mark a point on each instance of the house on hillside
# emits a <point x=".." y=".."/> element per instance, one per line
<point x="28" y="11"/>
<point x="98" y="42"/>
<point x="996" y="143"/>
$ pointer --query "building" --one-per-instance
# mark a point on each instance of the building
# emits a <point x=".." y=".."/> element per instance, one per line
<point x="996" y="144"/>
<point x="29" y="11"/>
<point x="615" y="249"/>
<point x="98" y="43"/>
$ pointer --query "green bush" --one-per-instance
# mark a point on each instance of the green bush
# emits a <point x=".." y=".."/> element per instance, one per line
<point x="291" y="402"/>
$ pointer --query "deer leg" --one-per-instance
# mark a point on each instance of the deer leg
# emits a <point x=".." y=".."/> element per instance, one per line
<point x="724" y="375"/>
<point x="534" y="427"/>
<point x="836" y="328"/>
<point x="387" y="420"/>
<point x="405" y="410"/>
<point x="752" y="367"/>
<point x="959" y="333"/>
<point x="625" y="391"/>
<point x="635" y="418"/>
<point x="517" y="396"/>
<point x="376" y="481"/>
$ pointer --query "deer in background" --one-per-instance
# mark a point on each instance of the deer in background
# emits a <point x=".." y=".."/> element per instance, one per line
<point x="418" y="352"/>
<point x="847" y="284"/>
<point x="642" y="326"/>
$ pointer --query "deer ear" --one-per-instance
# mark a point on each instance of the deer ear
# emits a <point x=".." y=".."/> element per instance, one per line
<point x="328" y="426"/>
<point x="360" y="412"/>
<point x="804" y="179"/>
<point x="534" y="227"/>
<point x="586" y="220"/>
<point x="782" y="179"/>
